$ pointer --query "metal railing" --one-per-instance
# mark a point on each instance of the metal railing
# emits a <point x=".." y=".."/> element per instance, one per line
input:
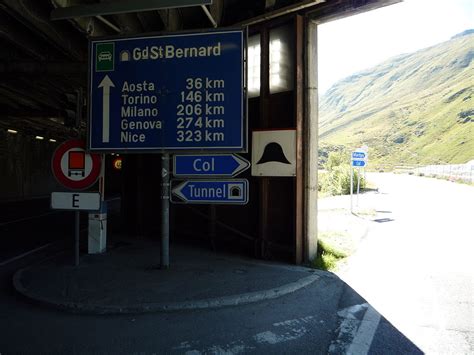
<point x="453" y="172"/>
<point x="463" y="172"/>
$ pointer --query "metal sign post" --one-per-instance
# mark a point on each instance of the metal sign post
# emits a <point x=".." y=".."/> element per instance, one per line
<point x="76" y="169"/>
<point x="358" y="186"/>
<point x="165" y="211"/>
<point x="352" y="172"/>
<point x="76" y="237"/>
<point x="77" y="202"/>
<point x="359" y="159"/>
<point x="168" y="93"/>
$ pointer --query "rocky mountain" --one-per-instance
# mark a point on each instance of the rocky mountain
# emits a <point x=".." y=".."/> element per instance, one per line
<point x="414" y="108"/>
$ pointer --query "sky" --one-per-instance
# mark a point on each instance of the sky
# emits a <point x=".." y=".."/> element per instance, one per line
<point x="359" y="42"/>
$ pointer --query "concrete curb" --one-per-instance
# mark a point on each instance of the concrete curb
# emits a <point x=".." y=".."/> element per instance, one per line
<point x="225" y="301"/>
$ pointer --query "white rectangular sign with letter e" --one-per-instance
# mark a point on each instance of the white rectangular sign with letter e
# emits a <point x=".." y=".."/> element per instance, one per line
<point x="80" y="201"/>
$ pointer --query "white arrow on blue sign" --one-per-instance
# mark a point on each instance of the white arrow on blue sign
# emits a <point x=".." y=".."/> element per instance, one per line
<point x="228" y="192"/>
<point x="227" y="165"/>
<point x="359" y="163"/>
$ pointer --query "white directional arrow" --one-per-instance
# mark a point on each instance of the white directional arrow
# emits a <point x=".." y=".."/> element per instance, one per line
<point x="243" y="164"/>
<point x="106" y="84"/>
<point x="178" y="190"/>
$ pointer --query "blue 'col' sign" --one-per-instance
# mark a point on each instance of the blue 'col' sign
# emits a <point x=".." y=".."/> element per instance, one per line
<point x="209" y="165"/>
<point x="165" y="93"/>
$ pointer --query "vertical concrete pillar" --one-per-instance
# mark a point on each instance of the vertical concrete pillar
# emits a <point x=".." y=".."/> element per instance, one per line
<point x="300" y="138"/>
<point x="311" y="143"/>
<point x="264" y="182"/>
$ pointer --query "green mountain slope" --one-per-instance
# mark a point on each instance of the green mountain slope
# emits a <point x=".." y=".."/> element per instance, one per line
<point x="414" y="108"/>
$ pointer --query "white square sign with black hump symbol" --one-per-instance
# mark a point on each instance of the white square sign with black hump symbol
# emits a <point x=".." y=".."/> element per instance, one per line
<point x="274" y="152"/>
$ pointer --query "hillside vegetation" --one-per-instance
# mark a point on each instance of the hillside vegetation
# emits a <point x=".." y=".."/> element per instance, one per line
<point x="414" y="108"/>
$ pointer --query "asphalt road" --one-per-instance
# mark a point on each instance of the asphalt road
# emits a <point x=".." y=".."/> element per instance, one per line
<point x="409" y="290"/>
<point x="416" y="266"/>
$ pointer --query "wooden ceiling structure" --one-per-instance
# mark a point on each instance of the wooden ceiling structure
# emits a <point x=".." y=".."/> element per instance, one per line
<point x="43" y="63"/>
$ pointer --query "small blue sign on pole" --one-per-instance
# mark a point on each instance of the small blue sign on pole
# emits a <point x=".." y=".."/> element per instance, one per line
<point x="182" y="92"/>
<point x="224" y="192"/>
<point x="358" y="163"/>
<point x="358" y="155"/>
<point x="227" y="165"/>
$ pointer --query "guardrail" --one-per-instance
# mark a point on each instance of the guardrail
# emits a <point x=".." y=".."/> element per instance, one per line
<point x="453" y="172"/>
<point x="464" y="172"/>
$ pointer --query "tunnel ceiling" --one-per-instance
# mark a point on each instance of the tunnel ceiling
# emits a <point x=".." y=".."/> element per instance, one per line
<point x="43" y="63"/>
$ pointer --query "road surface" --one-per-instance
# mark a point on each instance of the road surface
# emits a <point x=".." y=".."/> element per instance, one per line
<point x="416" y="266"/>
<point x="409" y="290"/>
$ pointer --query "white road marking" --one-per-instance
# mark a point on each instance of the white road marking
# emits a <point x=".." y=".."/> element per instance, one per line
<point x="229" y="349"/>
<point x="15" y="258"/>
<point x="294" y="330"/>
<point x="289" y="330"/>
<point x="25" y="254"/>
<point x="360" y="331"/>
<point x="365" y="334"/>
<point x="28" y="218"/>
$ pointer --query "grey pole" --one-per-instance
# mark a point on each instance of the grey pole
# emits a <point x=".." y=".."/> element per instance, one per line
<point x="358" y="186"/>
<point x="351" y="185"/>
<point x="165" y="211"/>
<point x="77" y="231"/>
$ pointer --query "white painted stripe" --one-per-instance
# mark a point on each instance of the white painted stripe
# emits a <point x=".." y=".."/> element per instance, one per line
<point x="25" y="254"/>
<point x="287" y="330"/>
<point x="365" y="334"/>
<point x="28" y="218"/>
<point x="15" y="258"/>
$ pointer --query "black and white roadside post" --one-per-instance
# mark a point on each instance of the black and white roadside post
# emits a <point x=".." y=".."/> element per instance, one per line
<point x="165" y="211"/>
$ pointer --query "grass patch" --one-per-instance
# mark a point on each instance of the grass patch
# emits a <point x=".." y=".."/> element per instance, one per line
<point x="366" y="212"/>
<point x="325" y="261"/>
<point x="331" y="250"/>
<point x="335" y="179"/>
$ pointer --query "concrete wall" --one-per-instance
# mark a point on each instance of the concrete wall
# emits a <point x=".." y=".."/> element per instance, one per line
<point x="25" y="167"/>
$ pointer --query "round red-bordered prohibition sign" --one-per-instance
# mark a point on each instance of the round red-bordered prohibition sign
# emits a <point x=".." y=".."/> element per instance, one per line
<point x="73" y="167"/>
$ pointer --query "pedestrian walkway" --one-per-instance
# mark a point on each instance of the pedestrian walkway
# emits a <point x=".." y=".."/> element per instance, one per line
<point x="127" y="279"/>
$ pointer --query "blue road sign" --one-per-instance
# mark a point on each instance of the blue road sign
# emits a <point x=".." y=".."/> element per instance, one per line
<point x="359" y="163"/>
<point x="209" y="165"/>
<point x="168" y="93"/>
<point x="358" y="155"/>
<point x="227" y="192"/>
